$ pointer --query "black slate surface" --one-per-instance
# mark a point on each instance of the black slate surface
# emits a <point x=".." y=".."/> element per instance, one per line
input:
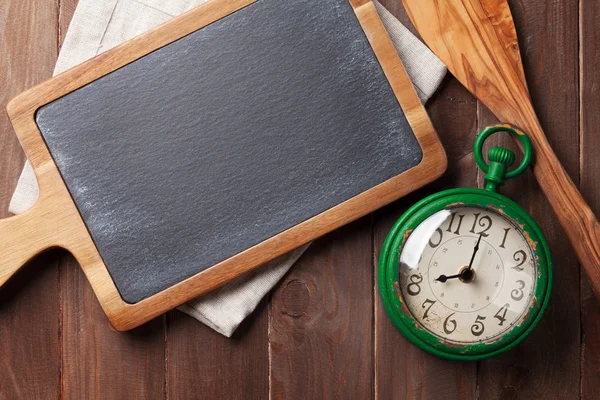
<point x="225" y="138"/>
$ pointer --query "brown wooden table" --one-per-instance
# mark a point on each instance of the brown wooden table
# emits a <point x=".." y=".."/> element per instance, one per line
<point x="323" y="332"/>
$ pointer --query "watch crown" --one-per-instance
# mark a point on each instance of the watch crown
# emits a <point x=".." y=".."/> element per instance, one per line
<point x="500" y="159"/>
<point x="502" y="155"/>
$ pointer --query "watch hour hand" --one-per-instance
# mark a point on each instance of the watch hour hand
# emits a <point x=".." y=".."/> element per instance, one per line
<point x="443" y="278"/>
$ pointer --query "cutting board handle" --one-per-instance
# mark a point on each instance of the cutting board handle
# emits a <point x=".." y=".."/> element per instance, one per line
<point x="22" y="237"/>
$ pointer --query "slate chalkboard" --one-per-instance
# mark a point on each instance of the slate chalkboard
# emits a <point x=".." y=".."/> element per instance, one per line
<point x="221" y="140"/>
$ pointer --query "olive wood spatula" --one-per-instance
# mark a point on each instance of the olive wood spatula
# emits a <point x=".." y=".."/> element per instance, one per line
<point x="477" y="41"/>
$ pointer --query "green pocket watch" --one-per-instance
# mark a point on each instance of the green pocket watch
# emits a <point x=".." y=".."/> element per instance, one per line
<point x="466" y="273"/>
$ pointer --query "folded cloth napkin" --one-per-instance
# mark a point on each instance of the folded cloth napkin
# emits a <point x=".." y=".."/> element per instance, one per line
<point x="100" y="25"/>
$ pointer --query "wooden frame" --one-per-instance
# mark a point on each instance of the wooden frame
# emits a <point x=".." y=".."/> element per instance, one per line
<point x="54" y="221"/>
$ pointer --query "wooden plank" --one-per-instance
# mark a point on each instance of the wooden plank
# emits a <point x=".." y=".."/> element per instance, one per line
<point x="203" y="364"/>
<point x="590" y="184"/>
<point x="28" y="57"/>
<point x="403" y="371"/>
<point x="29" y="325"/>
<point x="321" y="332"/>
<point x="29" y="304"/>
<point x="97" y="361"/>
<point x="66" y="10"/>
<point x="546" y="364"/>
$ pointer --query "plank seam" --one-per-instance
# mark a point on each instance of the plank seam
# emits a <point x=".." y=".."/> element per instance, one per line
<point x="580" y="137"/>
<point x="59" y="266"/>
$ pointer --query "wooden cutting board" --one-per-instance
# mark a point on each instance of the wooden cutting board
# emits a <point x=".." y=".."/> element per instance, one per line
<point x="215" y="143"/>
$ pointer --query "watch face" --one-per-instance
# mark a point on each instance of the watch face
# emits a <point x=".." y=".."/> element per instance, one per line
<point x="467" y="274"/>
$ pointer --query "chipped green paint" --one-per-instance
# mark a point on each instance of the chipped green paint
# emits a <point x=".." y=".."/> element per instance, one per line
<point x="392" y="297"/>
<point x="389" y="290"/>
<point x="497" y="170"/>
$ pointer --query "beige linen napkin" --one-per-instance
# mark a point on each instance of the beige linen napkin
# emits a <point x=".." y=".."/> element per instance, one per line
<point x="99" y="25"/>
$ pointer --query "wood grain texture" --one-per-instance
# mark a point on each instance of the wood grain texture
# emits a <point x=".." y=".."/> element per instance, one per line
<point x="99" y="362"/>
<point x="88" y="339"/>
<point x="203" y="364"/>
<point x="545" y="366"/>
<point x="55" y="208"/>
<point x="403" y="371"/>
<point x="476" y="39"/>
<point x="321" y="336"/>
<point x="29" y="305"/>
<point x="66" y="9"/>
<point x="30" y="352"/>
<point x="589" y="78"/>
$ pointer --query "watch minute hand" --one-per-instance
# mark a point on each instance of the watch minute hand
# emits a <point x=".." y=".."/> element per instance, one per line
<point x="475" y="249"/>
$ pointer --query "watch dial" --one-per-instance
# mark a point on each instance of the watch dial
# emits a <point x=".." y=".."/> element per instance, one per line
<point x="467" y="274"/>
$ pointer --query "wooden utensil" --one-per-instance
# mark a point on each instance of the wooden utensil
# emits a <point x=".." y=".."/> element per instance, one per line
<point x="477" y="40"/>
